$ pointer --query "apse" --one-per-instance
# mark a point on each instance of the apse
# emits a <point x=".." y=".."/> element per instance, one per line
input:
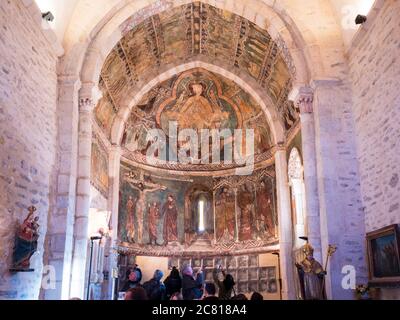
<point x="198" y="212"/>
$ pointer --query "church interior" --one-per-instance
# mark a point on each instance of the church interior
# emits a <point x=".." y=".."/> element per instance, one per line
<point x="99" y="104"/>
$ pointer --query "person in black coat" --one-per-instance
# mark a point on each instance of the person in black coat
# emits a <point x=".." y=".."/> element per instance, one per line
<point x="173" y="283"/>
<point x="192" y="287"/>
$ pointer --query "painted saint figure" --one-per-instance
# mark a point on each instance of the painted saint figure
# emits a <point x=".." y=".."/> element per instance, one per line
<point x="130" y="212"/>
<point x="246" y="232"/>
<point x="265" y="210"/>
<point x="154" y="215"/>
<point x="246" y="221"/>
<point x="170" y="214"/>
<point x="225" y="212"/>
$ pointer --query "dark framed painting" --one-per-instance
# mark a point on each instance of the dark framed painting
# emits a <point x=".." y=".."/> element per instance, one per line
<point x="383" y="256"/>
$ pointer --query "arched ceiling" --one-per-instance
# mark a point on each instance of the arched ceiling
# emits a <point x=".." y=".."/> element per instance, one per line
<point x="190" y="31"/>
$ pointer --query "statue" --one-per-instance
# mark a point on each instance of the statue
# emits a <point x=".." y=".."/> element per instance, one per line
<point x="26" y="242"/>
<point x="311" y="275"/>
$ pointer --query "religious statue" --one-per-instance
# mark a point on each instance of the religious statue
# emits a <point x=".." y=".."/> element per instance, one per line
<point x="154" y="215"/>
<point x="225" y="214"/>
<point x="170" y="214"/>
<point x="311" y="275"/>
<point x="130" y="213"/>
<point x="143" y="187"/>
<point x="26" y="241"/>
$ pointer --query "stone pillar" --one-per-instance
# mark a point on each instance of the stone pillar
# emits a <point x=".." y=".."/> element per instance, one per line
<point x="285" y="225"/>
<point x="113" y="201"/>
<point x="341" y="212"/>
<point x="60" y="232"/>
<point x="236" y="216"/>
<point x="304" y="101"/>
<point x="87" y="101"/>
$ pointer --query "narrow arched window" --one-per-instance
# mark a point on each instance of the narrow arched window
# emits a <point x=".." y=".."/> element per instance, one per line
<point x="201" y="214"/>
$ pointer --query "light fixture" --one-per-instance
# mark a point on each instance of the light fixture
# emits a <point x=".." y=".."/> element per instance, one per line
<point x="360" y="19"/>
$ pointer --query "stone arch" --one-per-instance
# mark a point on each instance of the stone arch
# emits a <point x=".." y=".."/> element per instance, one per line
<point x="248" y="85"/>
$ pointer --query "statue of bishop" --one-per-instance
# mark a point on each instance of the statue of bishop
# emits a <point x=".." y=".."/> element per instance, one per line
<point x="311" y="275"/>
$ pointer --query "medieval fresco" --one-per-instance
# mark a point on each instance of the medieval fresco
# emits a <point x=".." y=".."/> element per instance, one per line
<point x="99" y="167"/>
<point x="166" y="214"/>
<point x="191" y="30"/>
<point x="151" y="209"/>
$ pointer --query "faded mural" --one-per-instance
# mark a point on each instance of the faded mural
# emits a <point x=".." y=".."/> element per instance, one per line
<point x="196" y="99"/>
<point x="99" y="167"/>
<point x="161" y="213"/>
<point x="177" y="35"/>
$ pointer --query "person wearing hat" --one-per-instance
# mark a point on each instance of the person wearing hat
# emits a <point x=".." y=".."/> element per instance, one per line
<point x="134" y="276"/>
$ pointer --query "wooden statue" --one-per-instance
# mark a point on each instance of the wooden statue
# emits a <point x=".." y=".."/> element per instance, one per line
<point x="26" y="242"/>
<point x="311" y="275"/>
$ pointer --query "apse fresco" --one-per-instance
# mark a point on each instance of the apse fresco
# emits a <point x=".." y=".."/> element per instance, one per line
<point x="99" y="167"/>
<point x="196" y="99"/>
<point x="151" y="210"/>
<point x="162" y="214"/>
<point x="190" y="31"/>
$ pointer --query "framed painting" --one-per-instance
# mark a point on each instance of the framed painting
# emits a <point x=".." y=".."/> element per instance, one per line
<point x="383" y="256"/>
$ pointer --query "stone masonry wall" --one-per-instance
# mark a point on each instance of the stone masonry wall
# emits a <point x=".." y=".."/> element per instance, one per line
<point x="28" y="133"/>
<point x="375" y="73"/>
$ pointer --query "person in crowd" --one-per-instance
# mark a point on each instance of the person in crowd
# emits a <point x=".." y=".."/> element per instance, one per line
<point x="240" y="296"/>
<point x="134" y="276"/>
<point x="225" y="287"/>
<point x="137" y="293"/>
<point x="192" y="284"/>
<point x="256" y="296"/>
<point x="176" y="296"/>
<point x="155" y="289"/>
<point x="173" y="283"/>
<point x="209" y="292"/>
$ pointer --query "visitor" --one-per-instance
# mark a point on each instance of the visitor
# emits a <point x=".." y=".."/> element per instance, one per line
<point x="176" y="296"/>
<point x="134" y="276"/>
<point x="137" y="294"/>
<point x="240" y="296"/>
<point x="155" y="289"/>
<point x="192" y="284"/>
<point x="209" y="292"/>
<point x="225" y="287"/>
<point x="173" y="283"/>
<point x="256" y="296"/>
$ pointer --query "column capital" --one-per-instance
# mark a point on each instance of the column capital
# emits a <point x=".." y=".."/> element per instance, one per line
<point x="89" y="95"/>
<point x="304" y="100"/>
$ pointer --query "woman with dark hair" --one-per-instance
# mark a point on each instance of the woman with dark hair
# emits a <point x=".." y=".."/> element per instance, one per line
<point x="226" y="287"/>
<point x="173" y="283"/>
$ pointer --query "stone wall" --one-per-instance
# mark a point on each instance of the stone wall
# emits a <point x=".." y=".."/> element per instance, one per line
<point x="28" y="95"/>
<point x="375" y="69"/>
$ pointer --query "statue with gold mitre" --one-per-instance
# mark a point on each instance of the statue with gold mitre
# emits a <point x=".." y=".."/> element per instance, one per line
<point x="311" y="275"/>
